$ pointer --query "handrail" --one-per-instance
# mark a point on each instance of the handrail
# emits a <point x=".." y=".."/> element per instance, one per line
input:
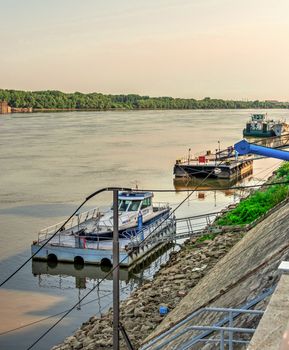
<point x="73" y="222"/>
<point x="152" y="344"/>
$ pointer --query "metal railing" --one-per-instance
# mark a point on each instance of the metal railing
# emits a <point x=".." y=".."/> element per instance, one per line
<point x="93" y="214"/>
<point x="75" y="221"/>
<point x="157" y="232"/>
<point x="222" y="330"/>
<point x="197" y="225"/>
<point x="134" y="237"/>
<point x="178" y="337"/>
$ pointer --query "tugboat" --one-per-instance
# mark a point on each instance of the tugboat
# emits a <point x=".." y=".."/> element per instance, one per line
<point x="261" y="126"/>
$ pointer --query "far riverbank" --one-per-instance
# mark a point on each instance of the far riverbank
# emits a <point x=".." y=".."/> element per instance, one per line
<point x="57" y="100"/>
<point x="48" y="110"/>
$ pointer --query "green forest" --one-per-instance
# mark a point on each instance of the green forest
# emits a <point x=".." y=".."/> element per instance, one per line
<point x="96" y="101"/>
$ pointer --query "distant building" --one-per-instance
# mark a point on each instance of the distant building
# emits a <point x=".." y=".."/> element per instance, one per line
<point x="4" y="107"/>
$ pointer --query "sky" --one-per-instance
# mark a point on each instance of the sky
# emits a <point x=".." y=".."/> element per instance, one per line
<point x="231" y="49"/>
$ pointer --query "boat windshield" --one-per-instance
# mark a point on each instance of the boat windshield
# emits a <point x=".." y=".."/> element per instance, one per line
<point x="134" y="206"/>
<point x="127" y="205"/>
<point x="123" y="205"/>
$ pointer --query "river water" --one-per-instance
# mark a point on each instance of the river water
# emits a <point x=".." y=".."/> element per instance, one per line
<point x="51" y="161"/>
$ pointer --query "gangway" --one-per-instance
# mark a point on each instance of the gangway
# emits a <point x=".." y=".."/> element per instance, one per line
<point x="193" y="226"/>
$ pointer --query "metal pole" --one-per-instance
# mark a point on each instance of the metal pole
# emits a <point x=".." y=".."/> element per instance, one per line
<point x="222" y="343"/>
<point x="115" y="272"/>
<point x="78" y="230"/>
<point x="231" y="333"/>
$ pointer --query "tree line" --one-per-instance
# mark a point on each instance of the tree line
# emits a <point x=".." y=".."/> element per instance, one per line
<point x="51" y="99"/>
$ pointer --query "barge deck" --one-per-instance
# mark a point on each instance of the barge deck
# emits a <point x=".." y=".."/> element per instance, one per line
<point x="221" y="165"/>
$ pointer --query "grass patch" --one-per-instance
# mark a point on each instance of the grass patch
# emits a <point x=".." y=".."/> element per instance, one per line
<point x="259" y="202"/>
<point x="203" y="238"/>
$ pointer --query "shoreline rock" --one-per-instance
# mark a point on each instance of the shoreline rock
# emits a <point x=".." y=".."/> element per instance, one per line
<point x="139" y="313"/>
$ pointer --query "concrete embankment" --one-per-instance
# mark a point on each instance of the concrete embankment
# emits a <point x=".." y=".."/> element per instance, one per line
<point x="140" y="312"/>
<point x="247" y="270"/>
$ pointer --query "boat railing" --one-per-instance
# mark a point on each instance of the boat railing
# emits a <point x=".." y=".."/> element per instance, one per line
<point x="73" y="240"/>
<point x="207" y="157"/>
<point x="76" y="221"/>
<point x="123" y="219"/>
<point x="135" y="237"/>
<point x="161" y="205"/>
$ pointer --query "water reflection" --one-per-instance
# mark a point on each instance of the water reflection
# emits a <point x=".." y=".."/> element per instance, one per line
<point x="274" y="142"/>
<point x="85" y="274"/>
<point x="220" y="185"/>
<point x="215" y="188"/>
<point x="81" y="273"/>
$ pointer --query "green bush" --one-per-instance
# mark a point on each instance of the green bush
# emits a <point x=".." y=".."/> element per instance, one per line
<point x="283" y="171"/>
<point x="259" y="202"/>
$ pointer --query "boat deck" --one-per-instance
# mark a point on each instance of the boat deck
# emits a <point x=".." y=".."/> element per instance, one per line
<point x="71" y="241"/>
<point x="225" y="170"/>
<point x="68" y="247"/>
<point x="223" y="164"/>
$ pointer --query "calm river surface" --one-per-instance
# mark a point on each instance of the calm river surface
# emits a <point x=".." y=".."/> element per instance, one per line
<point x="51" y="161"/>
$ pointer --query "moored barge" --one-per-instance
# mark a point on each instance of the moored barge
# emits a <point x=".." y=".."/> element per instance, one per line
<point x="223" y="164"/>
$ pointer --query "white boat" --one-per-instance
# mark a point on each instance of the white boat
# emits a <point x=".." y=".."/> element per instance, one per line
<point x="136" y="211"/>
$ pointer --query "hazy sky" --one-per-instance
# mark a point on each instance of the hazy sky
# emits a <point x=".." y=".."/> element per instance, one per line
<point x="181" y="48"/>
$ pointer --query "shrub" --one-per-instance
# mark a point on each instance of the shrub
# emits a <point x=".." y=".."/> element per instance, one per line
<point x="259" y="202"/>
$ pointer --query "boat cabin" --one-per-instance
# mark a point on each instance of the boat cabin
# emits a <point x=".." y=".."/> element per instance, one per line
<point x="133" y="202"/>
<point x="258" y="117"/>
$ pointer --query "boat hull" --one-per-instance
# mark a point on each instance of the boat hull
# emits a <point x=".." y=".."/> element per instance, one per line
<point x="213" y="171"/>
<point x="258" y="133"/>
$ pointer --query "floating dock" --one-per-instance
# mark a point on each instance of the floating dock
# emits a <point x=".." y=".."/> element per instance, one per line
<point x="71" y="248"/>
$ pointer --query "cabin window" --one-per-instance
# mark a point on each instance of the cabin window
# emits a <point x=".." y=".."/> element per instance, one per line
<point x="146" y="203"/>
<point x="134" y="206"/>
<point x="123" y="205"/>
